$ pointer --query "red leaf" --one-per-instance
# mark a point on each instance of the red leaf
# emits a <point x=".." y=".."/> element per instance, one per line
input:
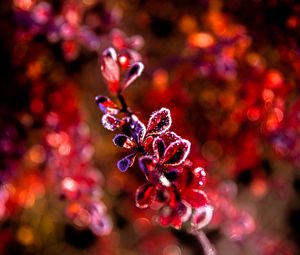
<point x="169" y="137"/>
<point x="177" y="152"/>
<point x="106" y="105"/>
<point x="148" y="166"/>
<point x="126" y="162"/>
<point x="110" y="69"/>
<point x="159" y="122"/>
<point x="144" y="195"/>
<point x="202" y="216"/>
<point x="133" y="73"/>
<point x="196" y="198"/>
<point x="110" y="122"/>
<point x="158" y="148"/>
<point x="123" y="141"/>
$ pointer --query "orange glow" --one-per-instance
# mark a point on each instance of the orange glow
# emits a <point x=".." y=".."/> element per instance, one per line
<point x="201" y="40"/>
<point x="34" y="70"/>
<point x="25" y="235"/>
<point x="217" y="22"/>
<point x="37" y="154"/>
<point x="73" y="209"/>
<point x="160" y="79"/>
<point x="259" y="187"/>
<point x="23" y="4"/>
<point x="274" y="79"/>
<point x="272" y="123"/>
<point x="26" y="198"/>
<point x="227" y="99"/>
<point x="187" y="24"/>
<point x="37" y="188"/>
<point x="89" y="2"/>
<point x="255" y="60"/>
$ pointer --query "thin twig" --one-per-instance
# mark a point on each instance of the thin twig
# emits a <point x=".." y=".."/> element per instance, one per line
<point x="206" y="245"/>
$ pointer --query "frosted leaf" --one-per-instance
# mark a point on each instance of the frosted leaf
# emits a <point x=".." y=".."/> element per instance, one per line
<point x="110" y="122"/>
<point x="158" y="148"/>
<point x="177" y="152"/>
<point x="138" y="129"/>
<point x="169" y="137"/>
<point x="159" y="122"/>
<point x="126" y="162"/>
<point x="147" y="165"/>
<point x="132" y="74"/>
<point x="123" y="141"/>
<point x="106" y="105"/>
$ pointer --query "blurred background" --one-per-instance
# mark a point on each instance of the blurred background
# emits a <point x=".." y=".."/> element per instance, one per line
<point x="229" y="71"/>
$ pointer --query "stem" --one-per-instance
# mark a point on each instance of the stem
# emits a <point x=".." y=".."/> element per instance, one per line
<point x="206" y="245"/>
<point x="123" y="103"/>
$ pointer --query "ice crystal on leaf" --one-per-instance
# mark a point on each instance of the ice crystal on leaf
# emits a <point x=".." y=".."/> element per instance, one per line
<point x="159" y="122"/>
